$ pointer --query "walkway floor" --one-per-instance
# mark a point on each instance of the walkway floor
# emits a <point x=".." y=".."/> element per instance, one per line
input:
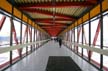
<point x="37" y="61"/>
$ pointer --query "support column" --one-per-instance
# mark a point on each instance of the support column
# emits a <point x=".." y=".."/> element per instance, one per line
<point x="101" y="36"/>
<point x="21" y="35"/>
<point x="77" y="38"/>
<point x="89" y="53"/>
<point x="82" y="37"/>
<point x="11" y="39"/>
<point x="74" y="38"/>
<point x="71" y="38"/>
<point x="34" y="39"/>
<point x="31" y="38"/>
<point x="27" y="39"/>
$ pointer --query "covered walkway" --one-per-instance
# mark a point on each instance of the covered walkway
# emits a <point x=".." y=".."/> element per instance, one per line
<point x="37" y="61"/>
<point x="28" y="29"/>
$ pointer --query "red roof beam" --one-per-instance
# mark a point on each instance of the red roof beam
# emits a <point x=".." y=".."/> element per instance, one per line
<point x="53" y="27"/>
<point x="53" y="32"/>
<point x="47" y="13"/>
<point x="60" y="4"/>
<point x="53" y="23"/>
<point x="93" y="1"/>
<point x="51" y="19"/>
<point x="50" y="24"/>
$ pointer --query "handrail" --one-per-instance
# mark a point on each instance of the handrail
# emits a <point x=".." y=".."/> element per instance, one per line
<point x="7" y="44"/>
<point x="94" y="45"/>
<point x="91" y="48"/>
<point x="10" y="48"/>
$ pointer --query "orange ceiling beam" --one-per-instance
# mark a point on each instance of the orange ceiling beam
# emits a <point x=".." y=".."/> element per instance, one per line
<point x="60" y="4"/>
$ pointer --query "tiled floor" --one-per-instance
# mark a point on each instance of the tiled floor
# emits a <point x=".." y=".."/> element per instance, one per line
<point x="37" y="61"/>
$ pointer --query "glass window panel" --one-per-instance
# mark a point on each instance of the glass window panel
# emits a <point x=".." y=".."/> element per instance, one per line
<point x="72" y="38"/>
<point x="95" y="56"/>
<point x="75" y="34"/>
<point x="29" y="34"/>
<point x="23" y="38"/>
<point x="4" y="57"/>
<point x="32" y="34"/>
<point x="17" y="29"/>
<point x="80" y="40"/>
<point x="105" y="39"/>
<point x="5" y="40"/>
<point x="86" y="38"/>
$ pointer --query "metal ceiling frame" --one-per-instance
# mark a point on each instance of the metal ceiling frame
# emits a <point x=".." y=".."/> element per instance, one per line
<point x="59" y="4"/>
<point x="35" y="7"/>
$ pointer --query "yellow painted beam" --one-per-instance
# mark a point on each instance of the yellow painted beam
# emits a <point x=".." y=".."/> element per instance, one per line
<point x="105" y="5"/>
<point x="6" y="6"/>
<point x="24" y="18"/>
<point x="86" y="17"/>
<point x="95" y="11"/>
<point x="79" y="22"/>
<point x="30" y="22"/>
<point x="17" y="13"/>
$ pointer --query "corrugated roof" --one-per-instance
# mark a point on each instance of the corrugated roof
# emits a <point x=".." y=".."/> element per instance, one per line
<point x="54" y="11"/>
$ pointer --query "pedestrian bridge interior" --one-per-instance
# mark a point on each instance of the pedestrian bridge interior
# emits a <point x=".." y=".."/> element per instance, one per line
<point x="31" y="30"/>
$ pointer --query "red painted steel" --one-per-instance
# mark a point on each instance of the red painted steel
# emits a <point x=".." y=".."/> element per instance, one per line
<point x="60" y="4"/>
<point x="30" y="34"/>
<point x="53" y="31"/>
<point x="84" y="36"/>
<point x="95" y="38"/>
<point x="53" y="23"/>
<point x="15" y="36"/>
<point x="27" y="30"/>
<point x="79" y="31"/>
<point x="71" y="39"/>
<point x="85" y="41"/>
<point x="2" y="21"/>
<point x="92" y="1"/>
<point x="47" y="13"/>
<point x="25" y="33"/>
<point x="54" y="27"/>
<point x="51" y="19"/>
